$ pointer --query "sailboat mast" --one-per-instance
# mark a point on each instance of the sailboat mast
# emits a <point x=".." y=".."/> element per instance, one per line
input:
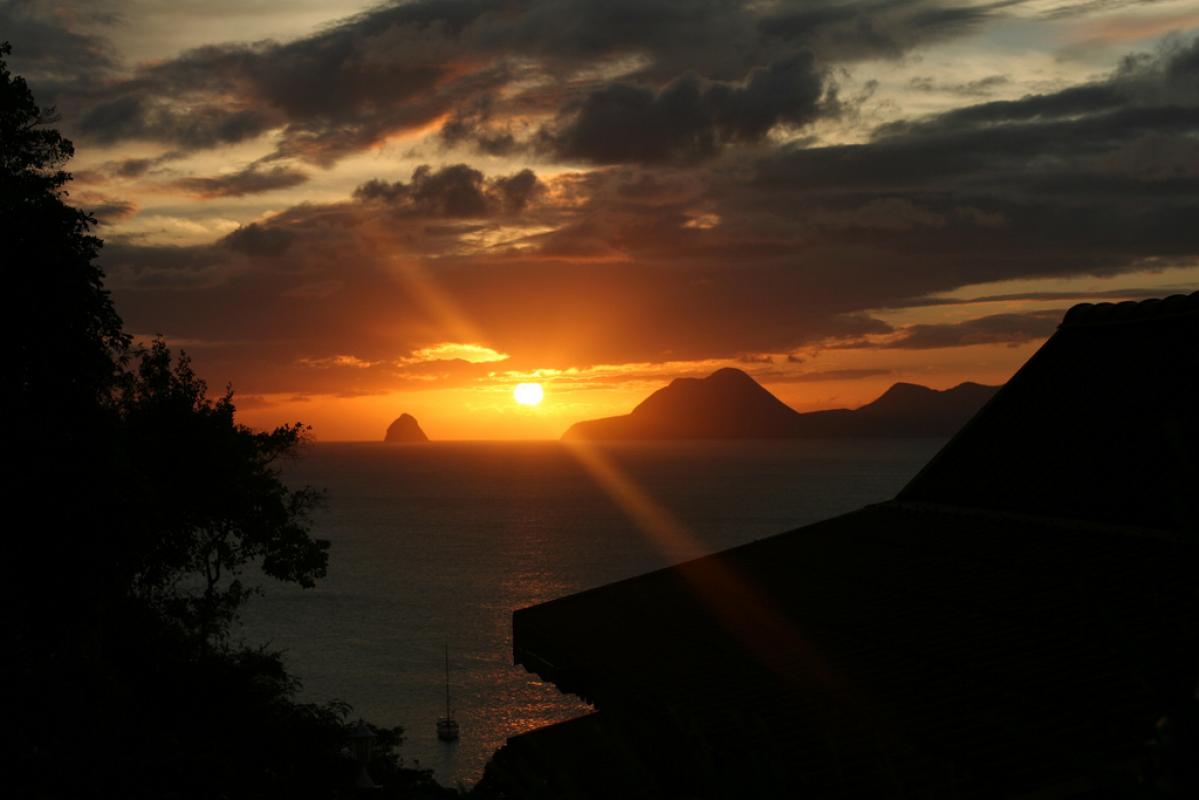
<point x="447" y="681"/>
<point x="447" y="726"/>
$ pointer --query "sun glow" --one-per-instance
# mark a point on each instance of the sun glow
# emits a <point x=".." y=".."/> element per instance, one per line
<point x="528" y="394"/>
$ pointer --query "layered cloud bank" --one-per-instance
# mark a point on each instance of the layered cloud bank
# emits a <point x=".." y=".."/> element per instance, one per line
<point x="586" y="183"/>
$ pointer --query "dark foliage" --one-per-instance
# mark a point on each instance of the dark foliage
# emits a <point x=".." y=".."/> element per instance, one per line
<point x="134" y="502"/>
<point x="210" y="500"/>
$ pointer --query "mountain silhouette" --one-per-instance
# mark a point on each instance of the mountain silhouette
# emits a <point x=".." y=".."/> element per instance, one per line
<point x="729" y="404"/>
<point x="405" y="429"/>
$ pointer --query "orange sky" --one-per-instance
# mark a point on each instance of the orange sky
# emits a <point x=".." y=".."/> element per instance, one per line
<point x="488" y="411"/>
<point x="482" y="407"/>
<point x="351" y="210"/>
<point x="466" y="401"/>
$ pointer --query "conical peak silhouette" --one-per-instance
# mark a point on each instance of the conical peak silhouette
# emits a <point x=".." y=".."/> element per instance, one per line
<point x="405" y="429"/>
<point x="731" y="375"/>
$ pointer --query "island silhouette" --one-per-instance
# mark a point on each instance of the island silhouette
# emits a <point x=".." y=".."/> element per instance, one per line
<point x="405" y="429"/>
<point x="729" y="404"/>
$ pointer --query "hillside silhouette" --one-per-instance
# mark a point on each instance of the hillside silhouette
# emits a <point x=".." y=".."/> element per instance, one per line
<point x="729" y="404"/>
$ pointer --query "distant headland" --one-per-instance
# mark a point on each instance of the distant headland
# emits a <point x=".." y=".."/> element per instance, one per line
<point x="729" y="404"/>
<point x="405" y="429"/>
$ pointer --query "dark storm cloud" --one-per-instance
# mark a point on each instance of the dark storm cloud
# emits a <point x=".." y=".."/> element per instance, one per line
<point x="470" y="123"/>
<point x="1079" y="296"/>
<point x="332" y="94"/>
<point x="259" y="240"/>
<point x="108" y="211"/>
<point x="133" y="167"/>
<point x="689" y="118"/>
<point x="364" y="277"/>
<point x="126" y="168"/>
<point x="517" y="191"/>
<point x="319" y="238"/>
<point x="670" y="262"/>
<point x="975" y="88"/>
<point x="871" y="29"/>
<point x="1158" y="93"/>
<point x="457" y="191"/>
<point x="728" y="67"/>
<point x="1072" y="102"/>
<point x="1095" y="179"/>
<point x="723" y="39"/>
<point x="1010" y="329"/>
<point x="53" y="51"/>
<point x="659" y="255"/>
<point x="196" y="126"/>
<point x="1069" y="8"/>
<point x="168" y="268"/>
<point x="251" y="180"/>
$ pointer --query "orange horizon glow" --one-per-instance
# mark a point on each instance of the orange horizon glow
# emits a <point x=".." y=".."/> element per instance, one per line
<point x="464" y="387"/>
<point x="486" y="409"/>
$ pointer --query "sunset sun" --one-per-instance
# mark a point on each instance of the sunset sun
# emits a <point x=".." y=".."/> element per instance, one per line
<point x="528" y="394"/>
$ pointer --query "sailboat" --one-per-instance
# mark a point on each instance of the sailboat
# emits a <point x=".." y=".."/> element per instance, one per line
<point x="447" y="726"/>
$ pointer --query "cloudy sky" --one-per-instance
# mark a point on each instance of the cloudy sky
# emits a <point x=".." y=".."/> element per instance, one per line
<point x="350" y="209"/>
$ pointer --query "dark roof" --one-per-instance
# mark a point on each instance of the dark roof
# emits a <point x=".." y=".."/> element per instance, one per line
<point x="875" y="651"/>
<point x="1015" y="621"/>
<point x="1100" y="424"/>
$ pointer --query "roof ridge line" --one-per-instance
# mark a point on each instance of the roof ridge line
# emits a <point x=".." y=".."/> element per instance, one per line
<point x="1131" y="310"/>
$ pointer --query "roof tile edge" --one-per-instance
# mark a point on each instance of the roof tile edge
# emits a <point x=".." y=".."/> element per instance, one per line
<point x="1131" y="310"/>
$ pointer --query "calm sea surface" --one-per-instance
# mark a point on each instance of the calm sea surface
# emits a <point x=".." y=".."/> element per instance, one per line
<point x="437" y="544"/>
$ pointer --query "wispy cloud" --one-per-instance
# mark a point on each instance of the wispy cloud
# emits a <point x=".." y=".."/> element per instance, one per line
<point x="455" y="351"/>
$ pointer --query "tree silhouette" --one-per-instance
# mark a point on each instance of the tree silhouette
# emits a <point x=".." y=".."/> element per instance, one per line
<point x="134" y="477"/>
<point x="63" y="354"/>
<point x="63" y="337"/>
<point x="134" y="503"/>
<point x="212" y="501"/>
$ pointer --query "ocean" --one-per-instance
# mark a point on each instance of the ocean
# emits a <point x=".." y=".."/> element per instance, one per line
<point x="435" y="545"/>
